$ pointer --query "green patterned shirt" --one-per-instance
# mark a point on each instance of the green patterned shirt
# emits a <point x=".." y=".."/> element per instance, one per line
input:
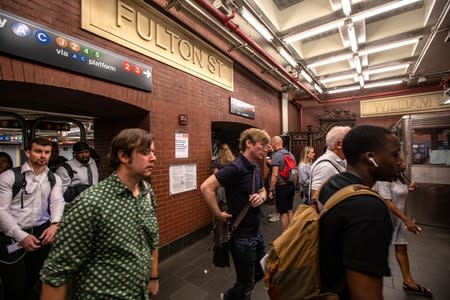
<point x="104" y="243"/>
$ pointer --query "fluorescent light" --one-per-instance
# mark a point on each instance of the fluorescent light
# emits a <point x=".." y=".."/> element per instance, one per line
<point x="352" y="37"/>
<point x="256" y="24"/>
<point x="346" y="7"/>
<point x="288" y="57"/>
<point x="384" y="47"/>
<point x="318" y="88"/>
<point x="386" y="69"/>
<point x="361" y="80"/>
<point x="306" y="76"/>
<point x="346" y="89"/>
<point x="381" y="9"/>
<point x="314" y="31"/>
<point x="331" y="60"/>
<point x="357" y="62"/>
<point x="337" y="78"/>
<point x="382" y="83"/>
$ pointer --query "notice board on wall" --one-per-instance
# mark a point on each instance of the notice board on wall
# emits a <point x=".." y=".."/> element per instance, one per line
<point x="182" y="178"/>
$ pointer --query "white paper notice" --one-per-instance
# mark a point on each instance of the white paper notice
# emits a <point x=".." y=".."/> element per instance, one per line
<point x="182" y="178"/>
<point x="181" y="145"/>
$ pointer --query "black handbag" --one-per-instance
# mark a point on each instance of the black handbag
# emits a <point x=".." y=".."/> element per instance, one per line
<point x="221" y="248"/>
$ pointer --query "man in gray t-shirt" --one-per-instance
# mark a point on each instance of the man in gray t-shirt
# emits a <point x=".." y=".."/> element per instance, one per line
<point x="281" y="189"/>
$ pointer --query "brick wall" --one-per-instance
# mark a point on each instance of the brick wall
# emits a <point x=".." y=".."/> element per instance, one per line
<point x="25" y="84"/>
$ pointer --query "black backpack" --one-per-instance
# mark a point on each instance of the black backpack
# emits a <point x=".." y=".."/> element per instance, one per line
<point x="73" y="191"/>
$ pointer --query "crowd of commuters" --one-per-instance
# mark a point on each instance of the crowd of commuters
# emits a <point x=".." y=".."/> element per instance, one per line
<point x="366" y="155"/>
<point x="104" y="245"/>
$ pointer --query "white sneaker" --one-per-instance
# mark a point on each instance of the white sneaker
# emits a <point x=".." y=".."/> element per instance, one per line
<point x="274" y="218"/>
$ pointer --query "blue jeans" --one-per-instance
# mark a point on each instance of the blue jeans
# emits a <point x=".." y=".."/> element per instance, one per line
<point x="246" y="252"/>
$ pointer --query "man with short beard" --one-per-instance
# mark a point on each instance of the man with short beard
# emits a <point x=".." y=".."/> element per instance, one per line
<point x="29" y="220"/>
<point x="79" y="173"/>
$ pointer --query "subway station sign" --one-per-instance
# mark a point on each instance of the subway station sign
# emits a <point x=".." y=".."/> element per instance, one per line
<point x="138" y="26"/>
<point x="419" y="103"/>
<point x="26" y="39"/>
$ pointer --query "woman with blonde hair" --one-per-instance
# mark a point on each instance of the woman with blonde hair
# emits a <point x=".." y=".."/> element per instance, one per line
<point x="224" y="157"/>
<point x="304" y="169"/>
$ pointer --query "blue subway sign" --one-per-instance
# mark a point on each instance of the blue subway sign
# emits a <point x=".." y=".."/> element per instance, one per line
<point x="23" y="38"/>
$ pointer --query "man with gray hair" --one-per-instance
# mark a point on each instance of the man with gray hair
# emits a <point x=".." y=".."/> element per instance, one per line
<point x="331" y="162"/>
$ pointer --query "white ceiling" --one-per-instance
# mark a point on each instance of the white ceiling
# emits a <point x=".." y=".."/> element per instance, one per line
<point x="422" y="25"/>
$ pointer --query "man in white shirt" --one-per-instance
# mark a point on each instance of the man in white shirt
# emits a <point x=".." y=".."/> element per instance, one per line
<point x="79" y="173"/>
<point x="331" y="162"/>
<point x="29" y="217"/>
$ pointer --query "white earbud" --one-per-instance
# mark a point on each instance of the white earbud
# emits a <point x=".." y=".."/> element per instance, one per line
<point x="374" y="163"/>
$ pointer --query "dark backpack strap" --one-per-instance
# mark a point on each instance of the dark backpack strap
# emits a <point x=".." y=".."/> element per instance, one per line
<point x="51" y="179"/>
<point x="19" y="181"/>
<point x="246" y="207"/>
<point x="311" y="178"/>
<point x="69" y="169"/>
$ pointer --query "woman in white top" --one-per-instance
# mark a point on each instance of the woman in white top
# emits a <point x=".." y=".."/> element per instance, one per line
<point x="395" y="193"/>
<point x="304" y="169"/>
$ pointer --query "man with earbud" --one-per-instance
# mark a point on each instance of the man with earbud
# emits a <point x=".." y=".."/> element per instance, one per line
<point x="31" y="207"/>
<point x="331" y="162"/>
<point x="355" y="233"/>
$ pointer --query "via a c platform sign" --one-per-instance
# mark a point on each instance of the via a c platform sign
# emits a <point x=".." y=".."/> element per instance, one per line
<point x="23" y="38"/>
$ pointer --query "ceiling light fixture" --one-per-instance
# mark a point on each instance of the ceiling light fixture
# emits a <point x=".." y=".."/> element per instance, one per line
<point x="306" y="76"/>
<point x="346" y="89"/>
<point x="330" y="60"/>
<point x="386" y="69"/>
<point x="383" y="83"/>
<point x="256" y="24"/>
<point x="361" y="80"/>
<point x="352" y="36"/>
<point x="384" y="47"/>
<point x="314" y="31"/>
<point x="346" y="7"/>
<point x="381" y="9"/>
<point x="287" y="56"/>
<point x="337" y="78"/>
<point x="357" y="62"/>
<point x="318" y="88"/>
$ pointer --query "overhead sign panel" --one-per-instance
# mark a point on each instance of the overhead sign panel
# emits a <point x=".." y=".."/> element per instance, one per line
<point x="23" y="38"/>
<point x="417" y="103"/>
<point x="138" y="26"/>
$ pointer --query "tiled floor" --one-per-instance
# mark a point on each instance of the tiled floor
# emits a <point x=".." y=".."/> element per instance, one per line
<point x="190" y="275"/>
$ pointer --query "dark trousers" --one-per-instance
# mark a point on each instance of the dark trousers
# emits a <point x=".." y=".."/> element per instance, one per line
<point x="246" y="253"/>
<point x="21" y="279"/>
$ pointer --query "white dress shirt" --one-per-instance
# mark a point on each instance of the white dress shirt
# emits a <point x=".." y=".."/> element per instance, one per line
<point x="38" y="199"/>
<point x="80" y="174"/>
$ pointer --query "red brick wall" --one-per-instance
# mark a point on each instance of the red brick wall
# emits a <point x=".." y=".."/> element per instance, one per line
<point x="174" y="92"/>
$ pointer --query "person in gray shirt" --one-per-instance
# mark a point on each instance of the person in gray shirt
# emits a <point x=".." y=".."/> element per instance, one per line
<point x="331" y="162"/>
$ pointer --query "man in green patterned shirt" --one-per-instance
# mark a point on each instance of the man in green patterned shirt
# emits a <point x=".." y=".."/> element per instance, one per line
<point x="107" y="242"/>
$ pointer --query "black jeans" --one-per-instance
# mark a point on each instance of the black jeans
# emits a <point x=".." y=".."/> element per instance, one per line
<point x="246" y="253"/>
<point x="21" y="279"/>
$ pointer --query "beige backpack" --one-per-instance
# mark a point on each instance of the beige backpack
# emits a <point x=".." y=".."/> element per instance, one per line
<point x="292" y="270"/>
